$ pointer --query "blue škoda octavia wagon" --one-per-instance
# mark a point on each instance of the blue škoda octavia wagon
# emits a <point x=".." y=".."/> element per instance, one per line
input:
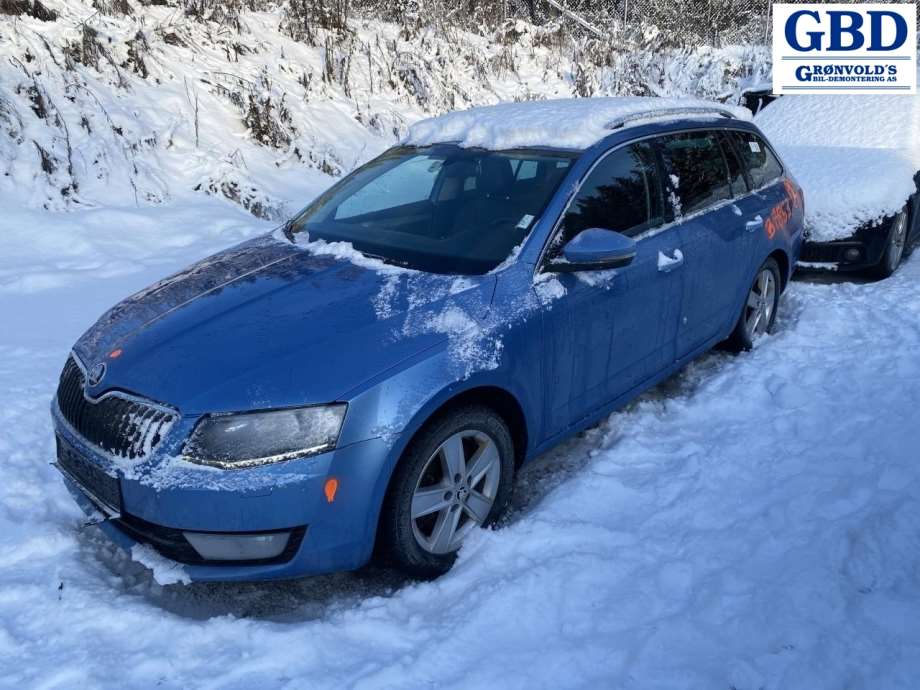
<point x="368" y="378"/>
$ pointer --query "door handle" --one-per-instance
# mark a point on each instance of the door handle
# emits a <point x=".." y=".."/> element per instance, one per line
<point x="666" y="263"/>
<point x="753" y="225"/>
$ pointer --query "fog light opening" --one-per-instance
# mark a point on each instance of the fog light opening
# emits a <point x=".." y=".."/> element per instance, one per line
<point x="238" y="547"/>
<point x="851" y="254"/>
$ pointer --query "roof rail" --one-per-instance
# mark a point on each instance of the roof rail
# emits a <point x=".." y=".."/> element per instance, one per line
<point x="670" y="114"/>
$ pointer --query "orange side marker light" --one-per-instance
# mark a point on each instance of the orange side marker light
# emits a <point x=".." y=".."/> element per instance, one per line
<point x="332" y="485"/>
<point x="115" y="354"/>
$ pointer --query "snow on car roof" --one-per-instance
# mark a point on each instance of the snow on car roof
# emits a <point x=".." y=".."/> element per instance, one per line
<point x="572" y="123"/>
<point x="855" y="156"/>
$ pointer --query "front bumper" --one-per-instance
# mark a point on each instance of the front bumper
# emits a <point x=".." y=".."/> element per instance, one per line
<point x="864" y="249"/>
<point x="157" y="503"/>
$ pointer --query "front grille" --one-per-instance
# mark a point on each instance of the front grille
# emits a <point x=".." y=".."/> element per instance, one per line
<point x="171" y="542"/>
<point x="119" y="425"/>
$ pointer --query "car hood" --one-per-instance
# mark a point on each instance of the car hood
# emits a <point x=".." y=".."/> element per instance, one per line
<point x="271" y="324"/>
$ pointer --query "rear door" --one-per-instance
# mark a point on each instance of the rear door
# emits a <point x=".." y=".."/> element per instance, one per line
<point x="702" y="183"/>
<point x="764" y="173"/>
<point x="612" y="330"/>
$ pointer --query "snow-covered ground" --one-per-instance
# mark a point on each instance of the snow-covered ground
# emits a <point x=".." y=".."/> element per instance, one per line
<point x="751" y="523"/>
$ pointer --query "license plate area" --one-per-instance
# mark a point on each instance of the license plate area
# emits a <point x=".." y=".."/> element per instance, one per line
<point x="101" y="488"/>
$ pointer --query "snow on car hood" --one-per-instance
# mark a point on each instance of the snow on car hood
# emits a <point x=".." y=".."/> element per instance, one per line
<point x="847" y="187"/>
<point x="871" y="122"/>
<point x="855" y="156"/>
<point x="574" y="123"/>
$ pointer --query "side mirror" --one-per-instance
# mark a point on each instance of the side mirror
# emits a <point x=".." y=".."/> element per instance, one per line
<point x="595" y="249"/>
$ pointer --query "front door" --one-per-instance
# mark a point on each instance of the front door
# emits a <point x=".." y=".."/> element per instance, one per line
<point x="612" y="330"/>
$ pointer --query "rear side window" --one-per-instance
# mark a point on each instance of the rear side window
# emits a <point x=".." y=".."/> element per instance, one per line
<point x="697" y="171"/>
<point x="622" y="193"/>
<point x="760" y="162"/>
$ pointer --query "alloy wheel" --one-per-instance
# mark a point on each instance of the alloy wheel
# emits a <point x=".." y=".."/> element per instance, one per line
<point x="456" y="490"/>
<point x="761" y="301"/>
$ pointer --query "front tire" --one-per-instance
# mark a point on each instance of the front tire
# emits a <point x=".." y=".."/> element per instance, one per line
<point x="454" y="477"/>
<point x="759" y="311"/>
<point x="895" y="249"/>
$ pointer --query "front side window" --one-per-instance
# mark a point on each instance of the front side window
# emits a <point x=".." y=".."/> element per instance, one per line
<point x="696" y="169"/>
<point x="442" y="209"/>
<point x="622" y="193"/>
<point x="759" y="160"/>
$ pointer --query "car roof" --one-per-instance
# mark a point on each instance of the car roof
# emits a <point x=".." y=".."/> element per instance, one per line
<point x="576" y="123"/>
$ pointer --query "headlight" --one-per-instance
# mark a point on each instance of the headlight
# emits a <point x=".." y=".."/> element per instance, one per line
<point x="258" y="438"/>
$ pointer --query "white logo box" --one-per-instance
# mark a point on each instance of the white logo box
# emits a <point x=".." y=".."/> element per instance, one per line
<point x="842" y="48"/>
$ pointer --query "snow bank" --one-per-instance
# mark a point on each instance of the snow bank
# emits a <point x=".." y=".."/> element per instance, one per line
<point x="42" y="250"/>
<point x="855" y="156"/>
<point x="111" y="104"/>
<point x="565" y="123"/>
<point x="163" y="570"/>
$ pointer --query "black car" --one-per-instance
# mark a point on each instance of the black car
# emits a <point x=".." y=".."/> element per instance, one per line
<point x="875" y="247"/>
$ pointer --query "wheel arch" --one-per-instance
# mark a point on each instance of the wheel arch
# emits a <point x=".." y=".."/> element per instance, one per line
<point x="505" y="403"/>
<point x="500" y="400"/>
<point x="485" y="393"/>
<point x="782" y="258"/>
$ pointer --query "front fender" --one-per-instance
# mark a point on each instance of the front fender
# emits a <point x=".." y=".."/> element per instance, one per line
<point x="397" y="406"/>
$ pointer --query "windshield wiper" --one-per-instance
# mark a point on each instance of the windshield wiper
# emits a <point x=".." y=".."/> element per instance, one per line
<point x="384" y="259"/>
<point x="288" y="230"/>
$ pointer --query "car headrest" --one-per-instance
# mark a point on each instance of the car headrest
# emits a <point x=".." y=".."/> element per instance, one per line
<point x="495" y="176"/>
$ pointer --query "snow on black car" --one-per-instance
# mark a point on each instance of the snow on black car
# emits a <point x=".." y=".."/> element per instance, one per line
<point x="857" y="158"/>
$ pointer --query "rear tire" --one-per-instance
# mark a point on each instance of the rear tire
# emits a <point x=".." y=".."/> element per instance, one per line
<point x="895" y="249"/>
<point x="454" y="477"/>
<point x="758" y="314"/>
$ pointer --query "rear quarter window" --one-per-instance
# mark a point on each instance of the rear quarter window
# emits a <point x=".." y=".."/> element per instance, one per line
<point x="761" y="164"/>
<point x="735" y="168"/>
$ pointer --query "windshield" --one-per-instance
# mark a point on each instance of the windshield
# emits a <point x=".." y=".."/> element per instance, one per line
<point x="441" y="209"/>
